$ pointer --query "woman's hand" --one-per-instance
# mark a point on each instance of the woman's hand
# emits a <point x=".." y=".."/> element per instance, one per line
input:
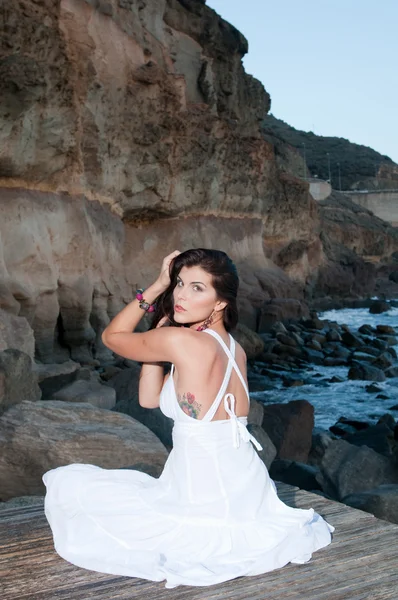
<point x="164" y="277"/>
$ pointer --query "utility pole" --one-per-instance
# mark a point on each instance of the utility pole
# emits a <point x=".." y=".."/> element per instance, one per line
<point x="305" y="162"/>
<point x="330" y="177"/>
<point x="338" y="165"/>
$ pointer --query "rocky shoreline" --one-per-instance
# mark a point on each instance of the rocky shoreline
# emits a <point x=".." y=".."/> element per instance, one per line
<point x="55" y="414"/>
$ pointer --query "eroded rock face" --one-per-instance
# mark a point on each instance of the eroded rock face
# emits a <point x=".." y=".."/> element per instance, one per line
<point x="15" y="332"/>
<point x="38" y="436"/>
<point x="17" y="380"/>
<point x="183" y="142"/>
<point x="128" y="129"/>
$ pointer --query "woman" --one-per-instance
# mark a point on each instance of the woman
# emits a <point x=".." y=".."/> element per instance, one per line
<point x="214" y="513"/>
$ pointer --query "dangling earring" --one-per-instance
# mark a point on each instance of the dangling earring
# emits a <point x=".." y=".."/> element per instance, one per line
<point x="206" y="323"/>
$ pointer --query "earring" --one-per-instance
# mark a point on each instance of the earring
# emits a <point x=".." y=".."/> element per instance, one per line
<point x="206" y="323"/>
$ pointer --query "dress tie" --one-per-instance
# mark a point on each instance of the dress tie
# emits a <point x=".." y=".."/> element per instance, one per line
<point x="239" y="430"/>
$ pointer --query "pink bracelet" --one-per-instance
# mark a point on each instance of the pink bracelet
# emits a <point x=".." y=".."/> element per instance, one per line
<point x="143" y="303"/>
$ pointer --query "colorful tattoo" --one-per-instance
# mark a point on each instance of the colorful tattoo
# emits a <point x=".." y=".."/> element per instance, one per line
<point x="189" y="405"/>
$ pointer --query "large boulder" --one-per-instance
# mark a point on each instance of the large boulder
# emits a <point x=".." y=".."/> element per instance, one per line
<point x="379" y="306"/>
<point x="290" y="428"/>
<point x="280" y="309"/>
<point x="347" y="469"/>
<point x="125" y="383"/>
<point x="38" y="436"/>
<point x="53" y="377"/>
<point x="17" y="381"/>
<point x="366" y="372"/>
<point x="295" y="473"/>
<point x="15" y="332"/>
<point x="381" y="501"/>
<point x="250" y="341"/>
<point x="379" y="437"/>
<point x="93" y="392"/>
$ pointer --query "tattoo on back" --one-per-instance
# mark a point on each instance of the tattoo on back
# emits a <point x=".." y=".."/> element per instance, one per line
<point x="189" y="405"/>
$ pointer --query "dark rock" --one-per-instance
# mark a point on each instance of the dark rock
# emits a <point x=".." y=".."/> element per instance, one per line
<point x="256" y="413"/>
<point x="391" y="372"/>
<point x="361" y="356"/>
<point x="18" y="382"/>
<point x="358" y="425"/>
<point x="331" y="361"/>
<point x="335" y="379"/>
<point x="290" y="350"/>
<point x="286" y="339"/>
<point x="342" y="352"/>
<point x="290" y="428"/>
<point x="379" y="306"/>
<point x="109" y="371"/>
<point x="313" y="356"/>
<point x="390" y="339"/>
<point x="383" y="397"/>
<point x="381" y="501"/>
<point x="280" y="309"/>
<point x="388" y="420"/>
<point x="379" y="344"/>
<point x="153" y="418"/>
<point x="366" y="329"/>
<point x="366" y="372"/>
<point x="314" y="323"/>
<point x="314" y="345"/>
<point x="318" y="337"/>
<point x="351" y="340"/>
<point x="395" y="407"/>
<point x="378" y="437"/>
<point x="384" y="361"/>
<point x="386" y="329"/>
<point x="346" y="469"/>
<point x="369" y="350"/>
<point x="126" y="382"/>
<point x="373" y="389"/>
<point x="295" y="473"/>
<point x="393" y="276"/>
<point x="333" y="336"/>
<point x="342" y="429"/>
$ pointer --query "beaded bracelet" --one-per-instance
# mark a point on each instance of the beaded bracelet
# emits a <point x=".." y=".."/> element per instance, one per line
<point x="143" y="303"/>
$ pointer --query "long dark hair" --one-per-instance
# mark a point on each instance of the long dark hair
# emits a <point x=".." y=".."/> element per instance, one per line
<point x="225" y="281"/>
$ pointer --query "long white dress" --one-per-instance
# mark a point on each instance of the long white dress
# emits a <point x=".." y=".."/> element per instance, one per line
<point x="211" y="516"/>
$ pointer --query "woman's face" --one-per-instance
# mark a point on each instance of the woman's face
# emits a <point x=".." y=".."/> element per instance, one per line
<point x="194" y="296"/>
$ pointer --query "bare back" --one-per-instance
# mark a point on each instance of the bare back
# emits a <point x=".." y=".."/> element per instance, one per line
<point x="198" y="380"/>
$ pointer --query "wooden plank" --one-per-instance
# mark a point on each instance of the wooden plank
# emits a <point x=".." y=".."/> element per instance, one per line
<point x="360" y="563"/>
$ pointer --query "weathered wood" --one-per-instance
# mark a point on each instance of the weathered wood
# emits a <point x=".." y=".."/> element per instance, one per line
<point x="360" y="563"/>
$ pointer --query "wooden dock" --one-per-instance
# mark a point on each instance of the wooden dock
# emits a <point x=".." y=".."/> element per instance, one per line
<point x="361" y="563"/>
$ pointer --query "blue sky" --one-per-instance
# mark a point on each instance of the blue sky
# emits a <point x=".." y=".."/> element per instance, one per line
<point x="331" y="66"/>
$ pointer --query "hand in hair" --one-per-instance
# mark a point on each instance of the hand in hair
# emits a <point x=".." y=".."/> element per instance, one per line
<point x="164" y="276"/>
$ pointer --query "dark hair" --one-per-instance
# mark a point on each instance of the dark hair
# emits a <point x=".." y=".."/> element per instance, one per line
<point x="225" y="281"/>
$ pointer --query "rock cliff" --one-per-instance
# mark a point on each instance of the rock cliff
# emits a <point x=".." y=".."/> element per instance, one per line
<point x="129" y="128"/>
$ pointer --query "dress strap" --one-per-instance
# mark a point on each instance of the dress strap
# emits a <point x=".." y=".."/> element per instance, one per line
<point x="231" y="358"/>
<point x="213" y="408"/>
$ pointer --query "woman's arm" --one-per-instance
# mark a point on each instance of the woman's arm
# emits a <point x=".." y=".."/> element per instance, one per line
<point x="151" y="380"/>
<point x="150" y="384"/>
<point x="163" y="344"/>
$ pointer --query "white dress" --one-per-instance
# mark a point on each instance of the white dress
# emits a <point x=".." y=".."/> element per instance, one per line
<point x="211" y="516"/>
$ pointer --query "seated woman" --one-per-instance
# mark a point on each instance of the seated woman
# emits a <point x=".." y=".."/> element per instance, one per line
<point x="214" y="513"/>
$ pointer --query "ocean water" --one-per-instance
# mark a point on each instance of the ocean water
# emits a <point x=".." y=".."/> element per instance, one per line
<point x="349" y="398"/>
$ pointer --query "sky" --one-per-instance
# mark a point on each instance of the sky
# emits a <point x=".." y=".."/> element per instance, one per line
<point x="330" y="66"/>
